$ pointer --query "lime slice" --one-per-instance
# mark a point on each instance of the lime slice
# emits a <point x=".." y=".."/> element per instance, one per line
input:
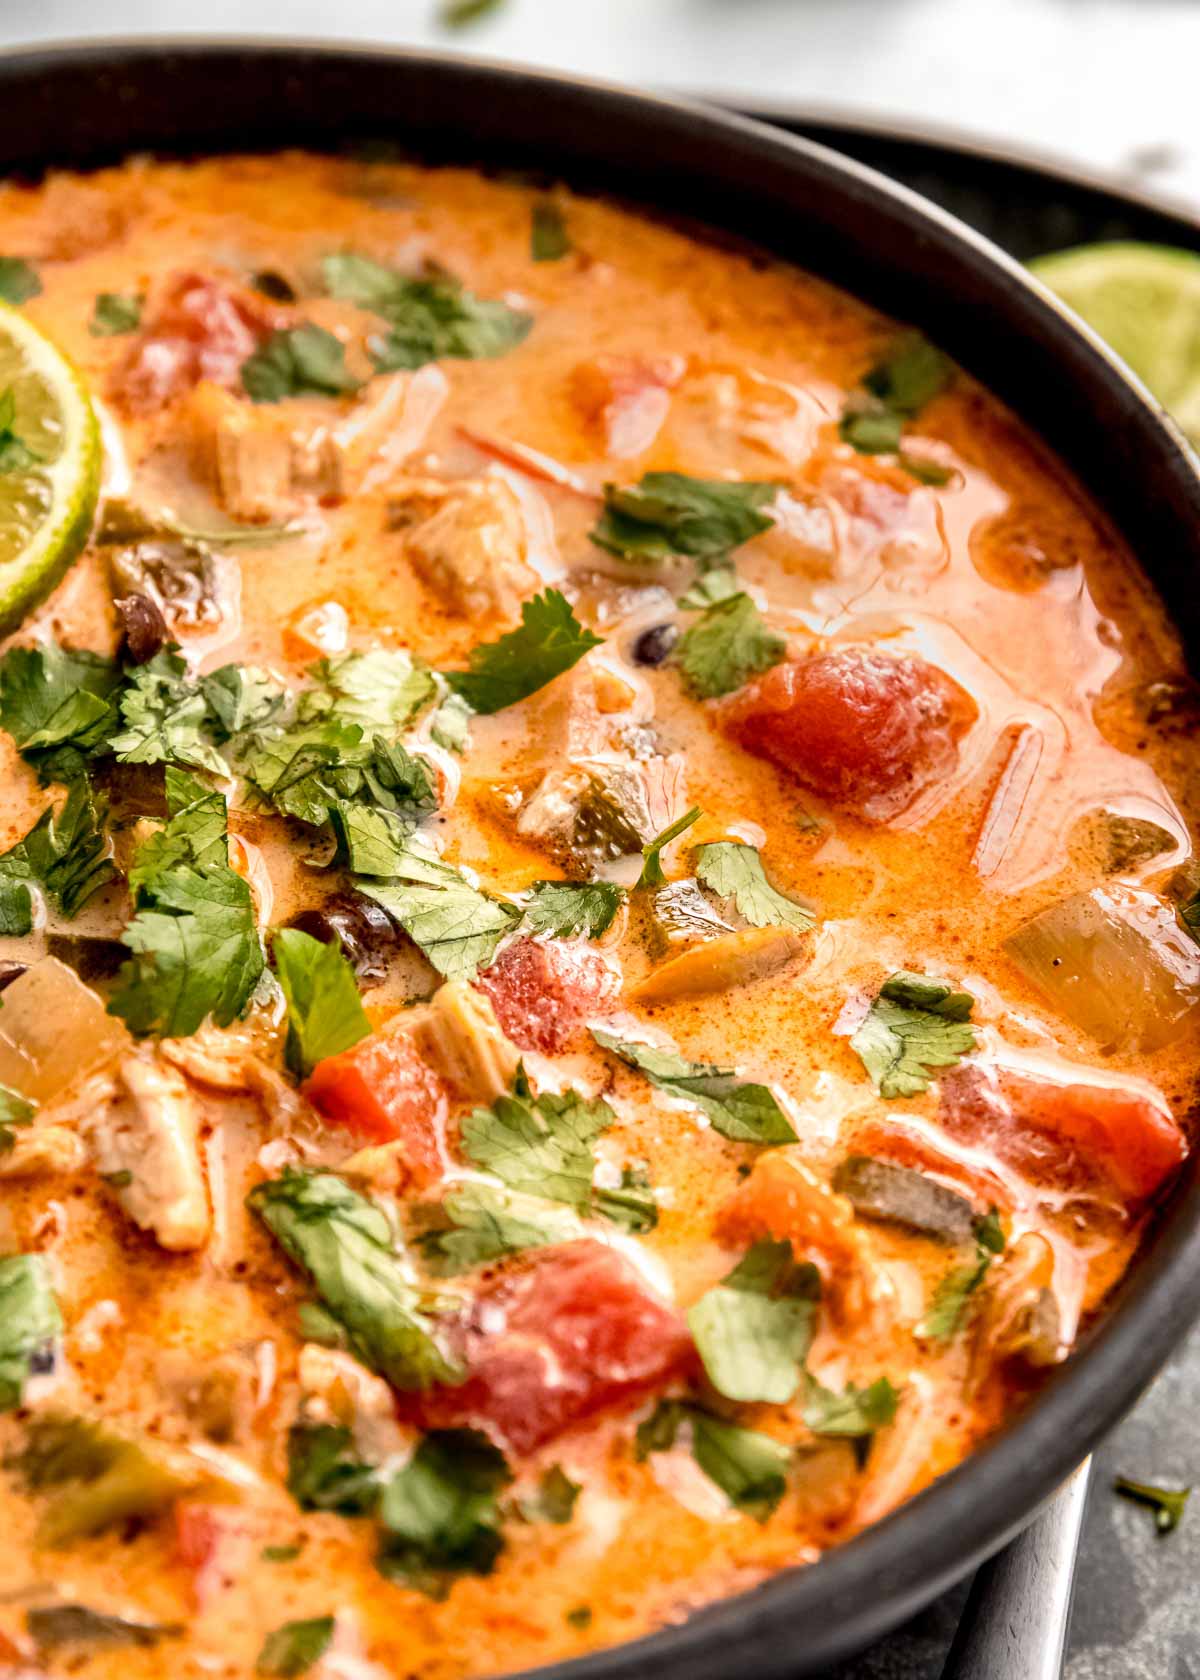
<point x="49" y="466"/>
<point x="1144" y="301"/>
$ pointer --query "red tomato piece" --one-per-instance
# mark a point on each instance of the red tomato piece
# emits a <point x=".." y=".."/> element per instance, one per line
<point x="864" y="729"/>
<point x="543" y="993"/>
<point x="1065" y="1135"/>
<point x="574" y="1331"/>
<point x="215" y="1544"/>
<point x="625" y="398"/>
<point x="384" y="1089"/>
<point x="204" y="329"/>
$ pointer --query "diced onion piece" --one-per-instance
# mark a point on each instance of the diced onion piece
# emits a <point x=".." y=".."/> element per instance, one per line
<point x="54" y="1030"/>
<point x="1116" y="963"/>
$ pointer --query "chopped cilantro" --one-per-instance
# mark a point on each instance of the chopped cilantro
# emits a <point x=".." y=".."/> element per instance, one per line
<point x="631" y="1203"/>
<point x="325" y="1012"/>
<point x="293" y="1648"/>
<point x="165" y="714"/>
<point x="456" y="926"/>
<point x="59" y="706"/>
<point x="325" y="1473"/>
<point x="895" y="390"/>
<point x="554" y="1500"/>
<point x="345" y="1242"/>
<point x="952" y="1297"/>
<point x="727" y="645"/>
<point x="19" y="281"/>
<point x="564" y="909"/>
<point x="241" y="698"/>
<point x="915" y="1024"/>
<point x="295" y="361"/>
<point x="542" y="1146"/>
<point x="717" y="584"/>
<point x="1168" y="1504"/>
<point x="441" y="1513"/>
<point x="15" y="1111"/>
<point x="549" y="641"/>
<point x="852" y="1414"/>
<point x="753" y="1329"/>
<point x="548" y="236"/>
<point x="746" y="1113"/>
<point x="652" y="869"/>
<point x="428" y="319"/>
<point x="477" y="1223"/>
<point x="281" y="1554"/>
<point x="30" y="1323"/>
<point x="66" y="853"/>
<point x="450" y="725"/>
<point x="580" y="1616"/>
<point x="382" y="689"/>
<point x="371" y="841"/>
<point x="667" y="513"/>
<point x="733" y="870"/>
<point x="748" y="1467"/>
<point x="114" y="313"/>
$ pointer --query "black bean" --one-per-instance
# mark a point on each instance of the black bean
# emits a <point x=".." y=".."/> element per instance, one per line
<point x="144" y="625"/>
<point x="363" y="929"/>
<point x="10" y="971"/>
<point x="274" y="286"/>
<point x="653" y="645"/>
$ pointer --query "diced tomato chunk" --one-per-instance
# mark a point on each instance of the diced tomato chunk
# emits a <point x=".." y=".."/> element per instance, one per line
<point x="1069" y="1136"/>
<point x="215" y="1544"/>
<point x="572" y="1332"/>
<point x="542" y="993"/>
<point x="384" y="1089"/>
<point x="863" y="729"/>
<point x="204" y="329"/>
<point x="625" y="398"/>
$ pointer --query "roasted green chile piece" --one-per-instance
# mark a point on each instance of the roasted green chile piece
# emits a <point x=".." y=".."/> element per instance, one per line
<point x="682" y="914"/>
<point x="901" y="1196"/>
<point x="105" y="1478"/>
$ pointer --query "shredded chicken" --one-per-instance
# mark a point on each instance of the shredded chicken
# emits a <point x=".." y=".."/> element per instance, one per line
<point x="466" y="539"/>
<point x="233" y="1059"/>
<point x="145" y="1144"/>
<point x="466" y="1041"/>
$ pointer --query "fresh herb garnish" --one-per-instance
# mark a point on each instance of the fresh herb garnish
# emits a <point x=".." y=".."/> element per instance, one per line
<point x="293" y="1648"/>
<point x="746" y="1113"/>
<point x="114" y="313"/>
<point x="478" y="1223"/>
<point x="652" y="869"/>
<point x="1168" y="1504"/>
<point x="952" y="1297"/>
<point x="456" y="14"/>
<point x="564" y="909"/>
<point x="325" y="1473"/>
<point x="915" y="1024"/>
<point x="852" y="1414"/>
<point x="450" y="725"/>
<point x="668" y="513"/>
<point x="441" y="1513"/>
<point x="457" y="926"/>
<point x="325" y="1012"/>
<point x="753" y="1329"/>
<point x="281" y="1554"/>
<point x="895" y="390"/>
<point x="554" y="1500"/>
<point x="58" y="704"/>
<point x="549" y="641"/>
<point x="631" y="1204"/>
<point x="15" y="1111"/>
<point x="548" y="236"/>
<point x="19" y="281"/>
<point x="717" y="584"/>
<point x="66" y="853"/>
<point x="734" y="870"/>
<point x="428" y="319"/>
<point x="165" y="714"/>
<point x="345" y="1243"/>
<point x="30" y="1323"/>
<point x="295" y="361"/>
<point x="542" y="1146"/>
<point x="727" y="645"/>
<point x="748" y="1467"/>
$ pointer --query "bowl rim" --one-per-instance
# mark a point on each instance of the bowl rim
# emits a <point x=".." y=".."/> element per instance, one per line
<point x="801" y="1619"/>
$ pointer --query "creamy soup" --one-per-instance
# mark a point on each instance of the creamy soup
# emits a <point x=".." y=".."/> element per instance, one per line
<point x="612" y="978"/>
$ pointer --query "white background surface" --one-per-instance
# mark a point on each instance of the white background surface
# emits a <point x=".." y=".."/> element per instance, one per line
<point x="1111" y="83"/>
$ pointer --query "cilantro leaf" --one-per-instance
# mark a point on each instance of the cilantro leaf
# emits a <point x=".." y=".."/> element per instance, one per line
<point x="196" y="832"/>
<point x="712" y="586"/>
<point x="450" y="725"/>
<point x="456" y="926"/>
<point x="30" y="1323"/>
<point x="478" y="1223"/>
<point x="58" y="704"/>
<point x="753" y="1330"/>
<point x="371" y="841"/>
<point x="952" y="1297"/>
<point x="325" y="1474"/>
<point x="165" y="714"/>
<point x="242" y="697"/>
<point x="297" y="360"/>
<point x="293" y="1648"/>
<point x="345" y="1243"/>
<point x="746" y="1113"/>
<point x="748" y="1467"/>
<point x="382" y="689"/>
<point x="631" y="1203"/>
<point x="566" y="908"/>
<point x="895" y="390"/>
<point x="19" y="281"/>
<point x="325" y="1012"/>
<point x="669" y="513"/>
<point x="916" y="1024"/>
<point x="549" y="641"/>
<point x="66" y="853"/>
<point x="733" y="870"/>
<point x="554" y="1501"/>
<point x="15" y="1111"/>
<point x="854" y="1412"/>
<point x="428" y="319"/>
<point x="1168" y="1504"/>
<point x="114" y="313"/>
<point x="440" y="1513"/>
<point x="542" y="1146"/>
<point x="727" y="645"/>
<point x="302" y="771"/>
<point x="16" y="907"/>
<point x="548" y="236"/>
<point x="652" y="869"/>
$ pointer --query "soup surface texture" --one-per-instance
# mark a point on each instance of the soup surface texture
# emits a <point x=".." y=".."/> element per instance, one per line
<point x="612" y="976"/>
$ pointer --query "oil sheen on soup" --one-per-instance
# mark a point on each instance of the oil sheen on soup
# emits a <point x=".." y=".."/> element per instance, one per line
<point x="600" y="963"/>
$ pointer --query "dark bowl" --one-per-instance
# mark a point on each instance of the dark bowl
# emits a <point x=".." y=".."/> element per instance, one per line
<point x="92" y="103"/>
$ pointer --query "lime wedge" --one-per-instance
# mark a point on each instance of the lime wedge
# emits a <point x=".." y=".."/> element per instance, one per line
<point x="49" y="466"/>
<point x="1144" y="301"/>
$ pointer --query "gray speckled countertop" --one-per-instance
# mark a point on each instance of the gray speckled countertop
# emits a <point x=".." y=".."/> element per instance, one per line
<point x="1137" y="1596"/>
